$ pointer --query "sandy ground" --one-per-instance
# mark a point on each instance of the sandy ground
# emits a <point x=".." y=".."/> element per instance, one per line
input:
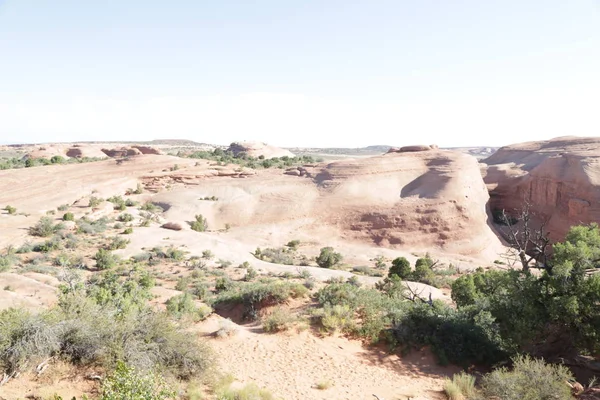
<point x="292" y="364"/>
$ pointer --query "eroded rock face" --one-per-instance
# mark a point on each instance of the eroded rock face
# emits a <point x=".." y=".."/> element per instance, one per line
<point x="122" y="152"/>
<point x="409" y="149"/>
<point x="560" y="178"/>
<point x="411" y="199"/>
<point x="147" y="150"/>
<point x="257" y="149"/>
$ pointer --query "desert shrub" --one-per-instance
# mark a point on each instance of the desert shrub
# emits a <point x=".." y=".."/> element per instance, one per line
<point x="7" y="261"/>
<point x="125" y="217"/>
<point x="530" y="379"/>
<point x="150" y="207"/>
<point x="94" y="201"/>
<point x="125" y="383"/>
<point x="224" y="263"/>
<point x="257" y="295"/>
<point x="11" y="210"/>
<point x="128" y="231"/>
<point x="379" y="262"/>
<point x="26" y="247"/>
<point x="365" y="270"/>
<point x="223" y="283"/>
<point x="328" y="258"/>
<point x="68" y="217"/>
<point x="424" y="274"/>
<point x="200" y="290"/>
<point x="401" y="268"/>
<point x="45" y="227"/>
<point x="293" y="244"/>
<point x="276" y="256"/>
<point x="54" y="243"/>
<point x="200" y="224"/>
<point x="334" y="318"/>
<point x="92" y="227"/>
<point x="354" y="281"/>
<point x="131" y="203"/>
<point x="207" y="254"/>
<point x="278" y="320"/>
<point x="460" y="387"/>
<point x="173" y="253"/>
<point x="105" y="259"/>
<point x="183" y="306"/>
<point x="62" y="260"/>
<point x="63" y="207"/>
<point x="182" y="283"/>
<point x="117" y="243"/>
<point x="250" y="274"/>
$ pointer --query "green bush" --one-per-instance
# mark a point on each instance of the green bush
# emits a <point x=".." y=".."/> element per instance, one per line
<point x="401" y="268"/>
<point x="200" y="224"/>
<point x="68" y="217"/>
<point x="11" y="210"/>
<point x="328" y="258"/>
<point x="530" y="379"/>
<point x="278" y="320"/>
<point x="125" y="217"/>
<point x="105" y="259"/>
<point x="128" y="231"/>
<point x="6" y="262"/>
<point x="117" y="243"/>
<point x="183" y="306"/>
<point x="63" y="207"/>
<point x="125" y="383"/>
<point x="94" y="201"/>
<point x="207" y="254"/>
<point x="45" y="227"/>
<point x="92" y="227"/>
<point x="461" y="387"/>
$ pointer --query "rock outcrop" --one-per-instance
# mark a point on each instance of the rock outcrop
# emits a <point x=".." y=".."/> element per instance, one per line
<point x="258" y="149"/>
<point x="560" y="178"/>
<point x="414" y="199"/>
<point x="410" y="149"/>
<point x="121" y="152"/>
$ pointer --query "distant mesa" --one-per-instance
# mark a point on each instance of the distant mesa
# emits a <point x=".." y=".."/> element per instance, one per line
<point x="414" y="148"/>
<point x="258" y="149"/>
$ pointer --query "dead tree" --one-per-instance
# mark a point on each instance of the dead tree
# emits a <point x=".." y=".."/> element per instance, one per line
<point x="529" y="246"/>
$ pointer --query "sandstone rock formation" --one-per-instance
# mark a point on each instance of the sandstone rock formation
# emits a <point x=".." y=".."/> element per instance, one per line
<point x="412" y="199"/>
<point x="408" y="149"/>
<point x="147" y="149"/>
<point x="560" y="178"/>
<point x="257" y="149"/>
<point x="121" y="152"/>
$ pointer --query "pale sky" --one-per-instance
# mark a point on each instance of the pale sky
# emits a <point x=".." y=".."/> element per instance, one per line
<point x="300" y="73"/>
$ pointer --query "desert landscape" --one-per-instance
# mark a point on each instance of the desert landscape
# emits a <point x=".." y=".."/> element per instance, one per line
<point x="255" y="272"/>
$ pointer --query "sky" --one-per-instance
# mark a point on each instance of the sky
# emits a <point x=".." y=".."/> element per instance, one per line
<point x="315" y="73"/>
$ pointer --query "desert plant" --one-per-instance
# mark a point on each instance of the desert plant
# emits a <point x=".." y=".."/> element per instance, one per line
<point x="44" y="227"/>
<point x="200" y="224"/>
<point x="128" y="231"/>
<point x="183" y="305"/>
<point x="63" y="207"/>
<point x="117" y="243"/>
<point x="207" y="254"/>
<point x="105" y="259"/>
<point x="401" y="268"/>
<point x="328" y="258"/>
<point x="530" y="379"/>
<point x="278" y="320"/>
<point x="10" y="209"/>
<point x="125" y="217"/>
<point x="125" y="383"/>
<point x="460" y="387"/>
<point x="94" y="201"/>
<point x="250" y="274"/>
<point x="68" y="217"/>
<point x="293" y="244"/>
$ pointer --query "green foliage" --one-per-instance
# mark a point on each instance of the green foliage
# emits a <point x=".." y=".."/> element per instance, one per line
<point x="200" y="224"/>
<point x="125" y="217"/>
<point x="183" y="306"/>
<point x="530" y="379"/>
<point x="6" y="262"/>
<point x="118" y="203"/>
<point x="105" y="259"/>
<point x="242" y="159"/>
<point x="207" y="254"/>
<point x="125" y="383"/>
<point x="45" y="227"/>
<point x="328" y="258"/>
<point x="250" y="274"/>
<point x="94" y="201"/>
<point x="128" y="231"/>
<point x="63" y="207"/>
<point x="68" y="217"/>
<point x="85" y="225"/>
<point x="278" y="320"/>
<point x="11" y="210"/>
<point x="117" y="243"/>
<point x="248" y="392"/>
<point x="257" y="295"/>
<point x="401" y="268"/>
<point x="293" y="244"/>
<point x="461" y="387"/>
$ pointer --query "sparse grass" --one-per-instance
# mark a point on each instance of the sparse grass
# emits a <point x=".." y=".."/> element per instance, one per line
<point x="207" y="254"/>
<point x="128" y="231"/>
<point x="6" y="262"/>
<point x="95" y="201"/>
<point x="324" y="384"/>
<point x="248" y="392"/>
<point x="278" y="320"/>
<point x="461" y="387"/>
<point x="63" y="207"/>
<point x="125" y="217"/>
<point x="85" y="225"/>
